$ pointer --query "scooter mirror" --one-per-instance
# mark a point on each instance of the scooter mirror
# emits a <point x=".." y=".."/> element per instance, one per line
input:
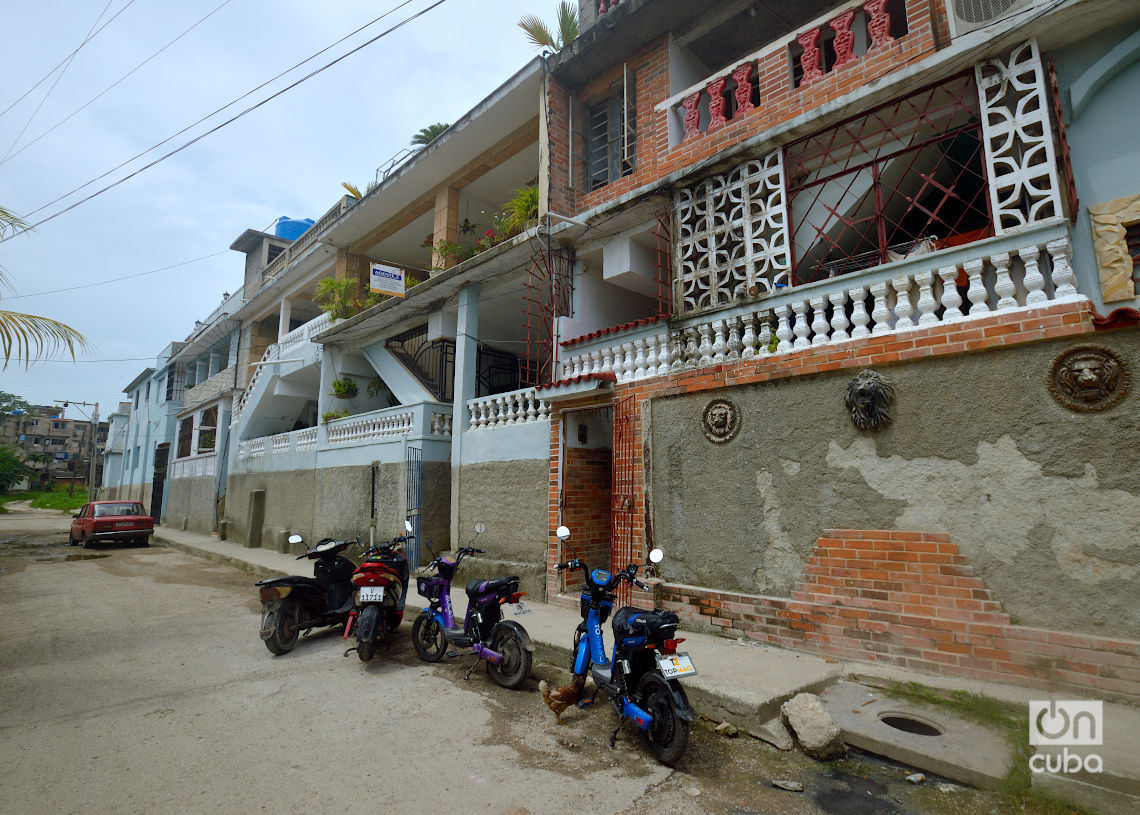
<point x="407" y="526"/>
<point x="656" y="555"/>
<point x="562" y="533"/>
<point x="480" y="527"/>
<point x="295" y="539"/>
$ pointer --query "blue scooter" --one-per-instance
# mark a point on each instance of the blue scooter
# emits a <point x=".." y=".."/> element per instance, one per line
<point x="642" y="678"/>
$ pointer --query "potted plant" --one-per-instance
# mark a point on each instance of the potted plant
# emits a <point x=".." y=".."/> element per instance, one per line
<point x="345" y="389"/>
<point x="331" y="415"/>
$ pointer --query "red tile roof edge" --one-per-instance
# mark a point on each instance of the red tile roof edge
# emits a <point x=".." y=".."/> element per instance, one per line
<point x="607" y="376"/>
<point x="601" y="332"/>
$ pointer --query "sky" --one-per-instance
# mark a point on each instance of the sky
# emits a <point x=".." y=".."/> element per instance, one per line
<point x="286" y="158"/>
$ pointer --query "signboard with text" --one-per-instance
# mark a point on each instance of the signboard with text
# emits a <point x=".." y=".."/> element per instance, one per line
<point x="386" y="280"/>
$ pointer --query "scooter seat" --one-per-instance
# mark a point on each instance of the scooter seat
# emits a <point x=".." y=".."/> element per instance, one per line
<point x="477" y="588"/>
<point x="654" y="625"/>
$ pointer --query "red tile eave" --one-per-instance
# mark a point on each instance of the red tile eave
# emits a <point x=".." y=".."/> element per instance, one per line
<point x="607" y="376"/>
<point x="601" y="332"/>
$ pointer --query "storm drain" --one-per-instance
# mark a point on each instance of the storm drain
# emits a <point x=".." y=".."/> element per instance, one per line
<point x="909" y="724"/>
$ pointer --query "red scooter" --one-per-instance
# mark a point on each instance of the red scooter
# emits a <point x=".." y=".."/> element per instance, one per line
<point x="381" y="582"/>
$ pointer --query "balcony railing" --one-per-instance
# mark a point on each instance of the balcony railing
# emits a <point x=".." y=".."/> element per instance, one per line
<point x="517" y="407"/>
<point x="298" y="247"/>
<point x="998" y="275"/>
<point x="303" y="333"/>
<point x="835" y="41"/>
<point x="195" y="466"/>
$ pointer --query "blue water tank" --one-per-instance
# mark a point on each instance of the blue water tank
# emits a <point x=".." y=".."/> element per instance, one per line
<point x="291" y="228"/>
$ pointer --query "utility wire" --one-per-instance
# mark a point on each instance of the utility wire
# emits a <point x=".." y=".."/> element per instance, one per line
<point x="219" y="110"/>
<point x="67" y="58"/>
<point x="115" y="279"/>
<point x="64" y="120"/>
<point x="67" y="64"/>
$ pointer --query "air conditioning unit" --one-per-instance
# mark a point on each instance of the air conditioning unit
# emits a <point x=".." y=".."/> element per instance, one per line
<point x="970" y="15"/>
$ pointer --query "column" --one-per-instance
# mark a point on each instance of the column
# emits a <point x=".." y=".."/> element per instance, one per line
<point x="283" y="318"/>
<point x="446" y="224"/>
<point x="466" y="350"/>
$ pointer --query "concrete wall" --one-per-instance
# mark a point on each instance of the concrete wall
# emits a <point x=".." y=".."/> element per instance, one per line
<point x="510" y="497"/>
<point x="1042" y="502"/>
<point x="190" y="503"/>
<point x="336" y="502"/>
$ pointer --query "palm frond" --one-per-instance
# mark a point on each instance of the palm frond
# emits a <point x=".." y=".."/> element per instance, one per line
<point x="28" y="338"/>
<point x="11" y="221"/>
<point x="567" y="24"/>
<point x="353" y="190"/>
<point x="537" y="32"/>
<point x="429" y="134"/>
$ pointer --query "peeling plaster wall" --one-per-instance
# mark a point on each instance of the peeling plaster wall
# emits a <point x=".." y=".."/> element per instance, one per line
<point x="1043" y="502"/>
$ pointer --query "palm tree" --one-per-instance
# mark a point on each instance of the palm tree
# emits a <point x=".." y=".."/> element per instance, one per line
<point x="26" y="336"/>
<point x="541" y="36"/>
<point x="429" y="134"/>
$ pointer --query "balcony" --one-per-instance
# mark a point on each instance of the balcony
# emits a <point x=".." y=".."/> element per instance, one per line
<point x="1002" y="275"/>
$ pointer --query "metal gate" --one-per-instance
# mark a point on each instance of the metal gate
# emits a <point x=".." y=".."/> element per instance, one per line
<point x="161" y="457"/>
<point x="622" y="495"/>
<point x="415" y="459"/>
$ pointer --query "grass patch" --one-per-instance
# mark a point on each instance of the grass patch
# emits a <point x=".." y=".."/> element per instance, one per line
<point x="59" y="499"/>
<point x="1012" y="722"/>
<point x="14" y="496"/>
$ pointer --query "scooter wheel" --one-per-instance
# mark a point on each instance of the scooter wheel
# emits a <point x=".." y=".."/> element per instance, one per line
<point x="515" y="667"/>
<point x="428" y="638"/>
<point x="283" y="633"/>
<point x="668" y="735"/>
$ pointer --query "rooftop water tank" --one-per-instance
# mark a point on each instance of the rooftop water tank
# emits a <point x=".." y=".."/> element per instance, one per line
<point x="291" y="228"/>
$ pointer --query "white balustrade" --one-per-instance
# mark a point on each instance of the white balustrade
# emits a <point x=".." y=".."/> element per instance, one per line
<point x="1029" y="277"/>
<point x="195" y="466"/>
<point x="517" y="407"/>
<point x="371" y="426"/>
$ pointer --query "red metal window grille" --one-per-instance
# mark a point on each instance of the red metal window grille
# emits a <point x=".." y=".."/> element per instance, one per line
<point x="549" y="294"/>
<point x="905" y="178"/>
<point x="623" y="498"/>
<point x="1066" y="159"/>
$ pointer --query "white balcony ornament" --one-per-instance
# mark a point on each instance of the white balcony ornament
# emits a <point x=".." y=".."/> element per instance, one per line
<point x="951" y="300"/>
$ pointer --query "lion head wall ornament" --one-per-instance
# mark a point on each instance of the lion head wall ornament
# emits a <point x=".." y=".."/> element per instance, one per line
<point x="1088" y="378"/>
<point x="721" y="421"/>
<point x="869" y="399"/>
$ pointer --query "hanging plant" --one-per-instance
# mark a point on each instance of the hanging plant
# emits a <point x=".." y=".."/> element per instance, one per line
<point x="345" y="389"/>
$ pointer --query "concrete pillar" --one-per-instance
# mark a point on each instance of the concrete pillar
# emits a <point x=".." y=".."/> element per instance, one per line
<point x="466" y="351"/>
<point x="200" y="369"/>
<point x="215" y="364"/>
<point x="235" y="341"/>
<point x="283" y="319"/>
<point x="446" y="223"/>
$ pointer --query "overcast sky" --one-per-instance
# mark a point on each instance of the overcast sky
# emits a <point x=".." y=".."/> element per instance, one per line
<point x="288" y="157"/>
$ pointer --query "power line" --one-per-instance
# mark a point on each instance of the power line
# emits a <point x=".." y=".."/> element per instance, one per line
<point x="67" y="58"/>
<point x="64" y="120"/>
<point x="219" y="110"/>
<point x="116" y="279"/>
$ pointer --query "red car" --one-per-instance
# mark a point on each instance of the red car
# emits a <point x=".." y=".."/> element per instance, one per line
<point x="111" y="520"/>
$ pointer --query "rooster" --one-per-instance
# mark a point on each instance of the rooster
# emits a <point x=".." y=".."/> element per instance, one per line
<point x="558" y="699"/>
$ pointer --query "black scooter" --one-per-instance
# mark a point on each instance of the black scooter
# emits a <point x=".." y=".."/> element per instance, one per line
<point x="290" y="605"/>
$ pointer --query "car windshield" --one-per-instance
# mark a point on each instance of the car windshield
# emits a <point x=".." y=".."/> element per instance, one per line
<point x="125" y="508"/>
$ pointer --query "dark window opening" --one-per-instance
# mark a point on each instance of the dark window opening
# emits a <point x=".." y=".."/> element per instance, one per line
<point x="1132" y="237"/>
<point x="207" y="430"/>
<point x="273" y="253"/>
<point x="185" y="437"/>
<point x="611" y="138"/>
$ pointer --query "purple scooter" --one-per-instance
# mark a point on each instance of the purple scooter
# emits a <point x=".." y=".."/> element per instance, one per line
<point x="503" y="644"/>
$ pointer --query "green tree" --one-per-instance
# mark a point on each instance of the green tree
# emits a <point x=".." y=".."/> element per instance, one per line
<point x="28" y="337"/>
<point x="10" y="402"/>
<point x="429" y="134"/>
<point x="12" y="467"/>
<point x="541" y="36"/>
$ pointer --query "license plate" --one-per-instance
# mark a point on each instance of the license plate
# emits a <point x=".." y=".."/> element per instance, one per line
<point x="123" y="525"/>
<point x="521" y="608"/>
<point x="675" y="665"/>
<point x="371" y="594"/>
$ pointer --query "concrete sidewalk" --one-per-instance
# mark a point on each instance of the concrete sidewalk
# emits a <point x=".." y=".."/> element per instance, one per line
<point x="741" y="682"/>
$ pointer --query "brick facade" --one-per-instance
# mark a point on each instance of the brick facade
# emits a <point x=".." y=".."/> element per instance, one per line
<point x="910" y="599"/>
<point x="905" y="598"/>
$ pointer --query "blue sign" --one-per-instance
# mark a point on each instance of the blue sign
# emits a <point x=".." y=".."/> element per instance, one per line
<point x="386" y="280"/>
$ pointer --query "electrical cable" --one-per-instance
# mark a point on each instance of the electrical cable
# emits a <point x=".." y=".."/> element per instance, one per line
<point x="219" y="110"/>
<point x="115" y="279"/>
<point x="67" y="58"/>
<point x="95" y="98"/>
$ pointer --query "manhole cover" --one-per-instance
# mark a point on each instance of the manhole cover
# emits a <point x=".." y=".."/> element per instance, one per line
<point x="909" y="724"/>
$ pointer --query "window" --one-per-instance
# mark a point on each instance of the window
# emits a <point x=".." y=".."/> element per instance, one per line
<point x="906" y="178"/>
<point x="147" y="397"/>
<point x="185" y="436"/>
<point x="174" y="386"/>
<point x="1132" y="239"/>
<point x="207" y="430"/>
<point x="136" y="400"/>
<point x="611" y="137"/>
<point x="272" y="253"/>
